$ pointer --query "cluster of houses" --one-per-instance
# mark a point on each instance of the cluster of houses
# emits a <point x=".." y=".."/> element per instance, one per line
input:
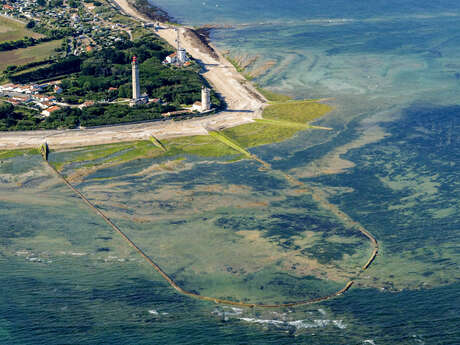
<point x="24" y="8"/>
<point x="90" y="29"/>
<point x="32" y="95"/>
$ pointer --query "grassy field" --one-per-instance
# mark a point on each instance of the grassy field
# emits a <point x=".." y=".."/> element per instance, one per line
<point x="256" y="134"/>
<point x="11" y="30"/>
<point x="26" y="55"/>
<point x="296" y="111"/>
<point x="281" y="121"/>
<point x="200" y="145"/>
<point x="273" y="96"/>
<point x="4" y="154"/>
<point x="114" y="154"/>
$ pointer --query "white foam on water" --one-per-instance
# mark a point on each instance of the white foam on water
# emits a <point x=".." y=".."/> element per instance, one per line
<point x="153" y="312"/>
<point x="368" y="341"/>
<point x="339" y="324"/>
<point x="322" y="311"/>
<point x="298" y="324"/>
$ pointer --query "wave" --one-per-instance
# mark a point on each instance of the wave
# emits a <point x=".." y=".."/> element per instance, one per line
<point x="298" y="324"/>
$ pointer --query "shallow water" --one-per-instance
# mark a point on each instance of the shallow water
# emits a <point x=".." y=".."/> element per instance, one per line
<point x="231" y="230"/>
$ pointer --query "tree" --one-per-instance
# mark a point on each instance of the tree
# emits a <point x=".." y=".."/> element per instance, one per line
<point x="5" y="110"/>
<point x="30" y="24"/>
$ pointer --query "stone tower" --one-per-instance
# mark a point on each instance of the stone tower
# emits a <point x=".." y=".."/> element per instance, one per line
<point x="205" y="99"/>
<point x="136" y="86"/>
<point x="181" y="54"/>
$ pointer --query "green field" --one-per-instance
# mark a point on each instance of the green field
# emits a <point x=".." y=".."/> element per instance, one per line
<point x="281" y="121"/>
<point x="296" y="111"/>
<point x="23" y="56"/>
<point x="11" y="30"/>
<point x="273" y="96"/>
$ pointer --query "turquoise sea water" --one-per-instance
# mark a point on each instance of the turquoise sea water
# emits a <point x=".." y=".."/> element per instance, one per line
<point x="391" y="163"/>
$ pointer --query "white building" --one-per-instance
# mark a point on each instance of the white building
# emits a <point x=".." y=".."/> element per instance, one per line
<point x="50" y="110"/>
<point x="205" y="99"/>
<point x="205" y="104"/>
<point x="135" y="80"/>
<point x="137" y="98"/>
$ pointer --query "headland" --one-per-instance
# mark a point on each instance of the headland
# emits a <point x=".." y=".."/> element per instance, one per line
<point x="244" y="103"/>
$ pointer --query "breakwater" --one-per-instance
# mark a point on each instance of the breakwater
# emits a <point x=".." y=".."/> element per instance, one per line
<point x="316" y="194"/>
<point x="45" y="153"/>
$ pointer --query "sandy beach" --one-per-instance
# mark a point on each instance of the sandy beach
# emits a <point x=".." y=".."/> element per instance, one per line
<point x="244" y="102"/>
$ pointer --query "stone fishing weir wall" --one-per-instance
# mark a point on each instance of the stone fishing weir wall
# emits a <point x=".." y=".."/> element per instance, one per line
<point x="44" y="149"/>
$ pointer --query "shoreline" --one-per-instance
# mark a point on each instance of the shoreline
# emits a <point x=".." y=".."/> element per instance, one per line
<point x="244" y="101"/>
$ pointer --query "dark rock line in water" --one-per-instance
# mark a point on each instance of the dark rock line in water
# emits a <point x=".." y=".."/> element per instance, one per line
<point x="321" y="200"/>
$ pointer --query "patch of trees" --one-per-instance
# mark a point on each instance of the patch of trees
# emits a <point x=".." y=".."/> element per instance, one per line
<point x="30" y="24"/>
<point x="16" y="69"/>
<point x="63" y="67"/>
<point x="103" y="114"/>
<point x="90" y="76"/>
<point x="12" y="119"/>
<point x="110" y="68"/>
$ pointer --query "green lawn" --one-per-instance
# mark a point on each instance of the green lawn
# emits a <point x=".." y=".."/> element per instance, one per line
<point x="11" y="30"/>
<point x="30" y="54"/>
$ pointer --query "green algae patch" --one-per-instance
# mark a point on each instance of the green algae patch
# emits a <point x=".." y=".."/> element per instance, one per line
<point x="227" y="141"/>
<point x="256" y="134"/>
<point x="280" y="122"/>
<point x="4" y="154"/>
<point x="136" y="150"/>
<point x="92" y="158"/>
<point x="200" y="145"/>
<point x="296" y="111"/>
<point x="273" y="96"/>
<point x="299" y="126"/>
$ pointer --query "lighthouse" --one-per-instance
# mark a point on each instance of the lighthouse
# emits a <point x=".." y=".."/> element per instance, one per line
<point x="205" y="99"/>
<point x="136" y="86"/>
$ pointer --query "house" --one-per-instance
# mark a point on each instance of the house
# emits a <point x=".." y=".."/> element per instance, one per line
<point x="50" y="110"/>
<point x="196" y="106"/>
<point x="175" y="113"/>
<point x="172" y="58"/>
<point x="35" y="88"/>
<point x="57" y="89"/>
<point x="22" y="99"/>
<point x="44" y="98"/>
<point x="112" y="88"/>
<point x="16" y="88"/>
<point x="86" y="104"/>
<point x="43" y="105"/>
<point x="7" y="87"/>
